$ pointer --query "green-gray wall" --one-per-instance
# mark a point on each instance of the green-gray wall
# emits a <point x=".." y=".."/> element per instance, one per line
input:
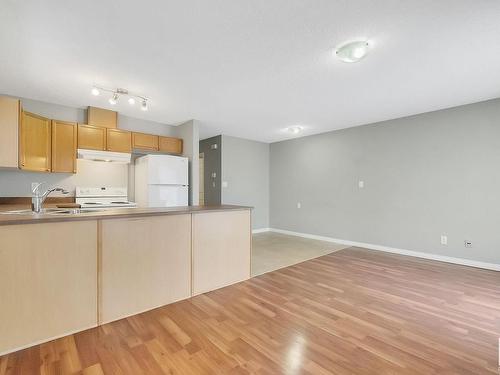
<point x="424" y="175"/>
<point x="245" y="169"/>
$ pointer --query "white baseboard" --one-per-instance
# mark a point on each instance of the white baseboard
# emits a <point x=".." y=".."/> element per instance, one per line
<point x="260" y="230"/>
<point x="417" y="254"/>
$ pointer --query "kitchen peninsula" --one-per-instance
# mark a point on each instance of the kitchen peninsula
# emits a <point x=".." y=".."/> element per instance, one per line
<point x="64" y="272"/>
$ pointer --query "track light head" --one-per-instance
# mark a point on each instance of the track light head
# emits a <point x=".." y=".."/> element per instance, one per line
<point x="144" y="105"/>
<point x="95" y="91"/>
<point x="113" y="99"/>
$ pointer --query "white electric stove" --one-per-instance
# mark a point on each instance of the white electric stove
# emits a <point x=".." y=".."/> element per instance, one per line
<point x="103" y="197"/>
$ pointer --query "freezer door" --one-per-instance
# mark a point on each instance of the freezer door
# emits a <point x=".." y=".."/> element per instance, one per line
<point x="168" y="195"/>
<point x="167" y="170"/>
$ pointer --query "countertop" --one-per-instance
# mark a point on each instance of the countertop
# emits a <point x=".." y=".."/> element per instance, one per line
<point x="13" y="218"/>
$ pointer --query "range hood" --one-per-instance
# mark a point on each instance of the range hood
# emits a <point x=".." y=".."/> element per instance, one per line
<point x="114" y="157"/>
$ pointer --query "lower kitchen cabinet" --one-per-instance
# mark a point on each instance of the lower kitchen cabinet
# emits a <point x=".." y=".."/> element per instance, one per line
<point x="144" y="263"/>
<point x="48" y="282"/>
<point x="221" y="249"/>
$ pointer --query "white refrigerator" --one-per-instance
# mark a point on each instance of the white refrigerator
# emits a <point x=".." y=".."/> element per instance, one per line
<point x="161" y="181"/>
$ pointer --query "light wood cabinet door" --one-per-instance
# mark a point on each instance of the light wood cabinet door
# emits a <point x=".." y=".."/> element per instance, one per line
<point x="102" y="117"/>
<point x="170" y="145"/>
<point x="144" y="141"/>
<point x="145" y="263"/>
<point x="64" y="135"/>
<point x="221" y="249"/>
<point x="48" y="282"/>
<point x="35" y="143"/>
<point x="118" y="140"/>
<point x="9" y="128"/>
<point x="91" y="137"/>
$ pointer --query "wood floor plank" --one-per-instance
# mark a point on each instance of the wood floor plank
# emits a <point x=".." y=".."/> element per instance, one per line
<point x="354" y="311"/>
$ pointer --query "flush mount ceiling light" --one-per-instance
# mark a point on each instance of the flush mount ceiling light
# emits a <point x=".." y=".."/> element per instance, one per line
<point x="352" y="51"/>
<point x="295" y="129"/>
<point x="116" y="93"/>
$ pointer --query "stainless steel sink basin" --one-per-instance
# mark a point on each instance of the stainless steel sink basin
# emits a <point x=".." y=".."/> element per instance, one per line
<point x="50" y="211"/>
<point x="16" y="212"/>
<point x="29" y="212"/>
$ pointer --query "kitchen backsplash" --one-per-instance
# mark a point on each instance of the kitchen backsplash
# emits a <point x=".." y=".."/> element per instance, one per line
<point x="16" y="183"/>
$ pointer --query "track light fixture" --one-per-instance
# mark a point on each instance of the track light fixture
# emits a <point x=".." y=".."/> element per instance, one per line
<point x="116" y="93"/>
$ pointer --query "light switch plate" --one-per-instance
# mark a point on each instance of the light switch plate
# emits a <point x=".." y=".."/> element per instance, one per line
<point x="361" y="184"/>
<point x="444" y="239"/>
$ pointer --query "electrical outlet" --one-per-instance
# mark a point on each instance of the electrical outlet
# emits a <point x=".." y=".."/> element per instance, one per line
<point x="444" y="239"/>
<point x="299" y="205"/>
<point x="467" y="243"/>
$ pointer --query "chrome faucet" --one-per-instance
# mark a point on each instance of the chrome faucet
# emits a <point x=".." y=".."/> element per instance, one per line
<point x="38" y="198"/>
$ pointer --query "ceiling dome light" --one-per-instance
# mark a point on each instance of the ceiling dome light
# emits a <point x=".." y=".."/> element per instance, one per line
<point x="352" y="51"/>
<point x="113" y="99"/>
<point x="95" y="91"/>
<point x="131" y="101"/>
<point x="144" y="105"/>
<point x="295" y="129"/>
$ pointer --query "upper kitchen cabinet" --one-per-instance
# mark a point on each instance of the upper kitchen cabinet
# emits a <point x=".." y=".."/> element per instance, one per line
<point x="91" y="137"/>
<point x="142" y="141"/>
<point x="118" y="140"/>
<point x="102" y="117"/>
<point x="170" y="145"/>
<point x="34" y="143"/>
<point x="9" y="127"/>
<point x="64" y="136"/>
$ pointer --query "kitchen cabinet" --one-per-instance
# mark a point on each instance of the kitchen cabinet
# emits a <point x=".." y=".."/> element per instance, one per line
<point x="64" y="143"/>
<point x="9" y="128"/>
<point x="49" y="288"/>
<point x="145" y="263"/>
<point x="170" y="145"/>
<point x="144" y="141"/>
<point x="221" y="249"/>
<point x="102" y="117"/>
<point x="91" y="137"/>
<point x="118" y="140"/>
<point x="35" y="143"/>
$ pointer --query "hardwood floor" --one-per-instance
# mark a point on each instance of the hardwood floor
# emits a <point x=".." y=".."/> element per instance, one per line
<point x="351" y="312"/>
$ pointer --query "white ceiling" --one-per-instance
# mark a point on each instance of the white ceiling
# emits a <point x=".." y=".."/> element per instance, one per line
<point x="250" y="68"/>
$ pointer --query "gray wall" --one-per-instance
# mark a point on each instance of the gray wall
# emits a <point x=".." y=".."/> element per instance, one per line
<point x="425" y="175"/>
<point x="189" y="132"/>
<point x="213" y="164"/>
<point x="245" y="169"/>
